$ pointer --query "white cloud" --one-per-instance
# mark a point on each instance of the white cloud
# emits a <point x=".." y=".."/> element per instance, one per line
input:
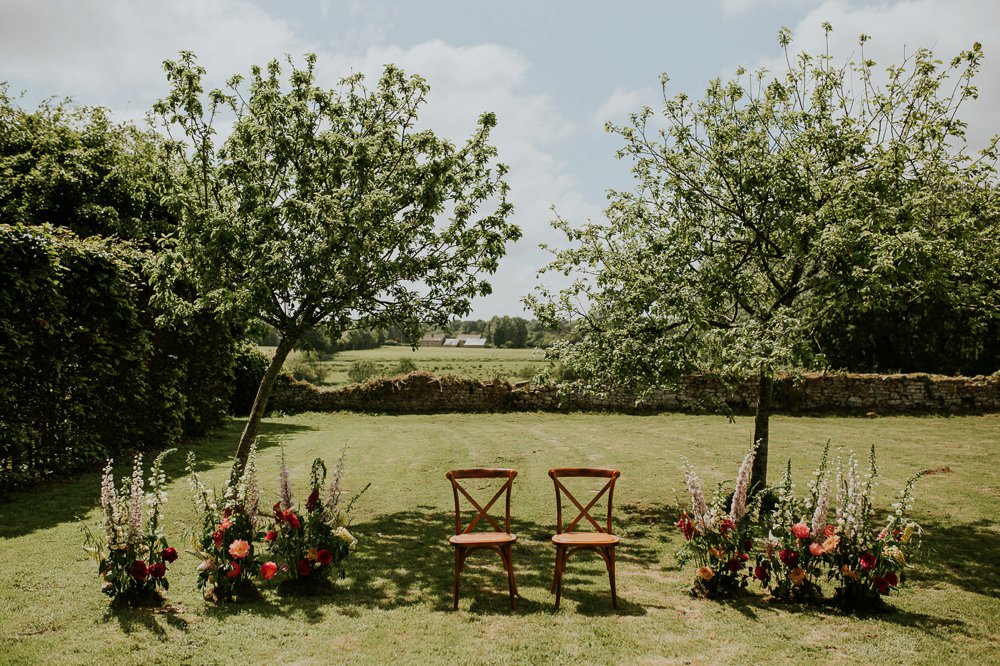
<point x="617" y="107"/>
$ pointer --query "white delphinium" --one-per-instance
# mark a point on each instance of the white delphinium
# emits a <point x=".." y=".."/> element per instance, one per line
<point x="285" y="485"/>
<point x="109" y="505"/>
<point x="156" y="497"/>
<point x="334" y="491"/>
<point x="840" y="497"/>
<point x="251" y="487"/>
<point x="699" y="509"/>
<point x="136" y="497"/>
<point x="853" y="498"/>
<point x="738" y="507"/>
<point x="822" y="505"/>
<point x="203" y="495"/>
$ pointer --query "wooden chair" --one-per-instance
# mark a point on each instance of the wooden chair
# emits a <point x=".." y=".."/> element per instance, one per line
<point x="498" y="540"/>
<point x="568" y="542"/>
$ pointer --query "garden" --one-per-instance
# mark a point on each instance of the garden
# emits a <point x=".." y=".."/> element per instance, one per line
<point x="394" y="604"/>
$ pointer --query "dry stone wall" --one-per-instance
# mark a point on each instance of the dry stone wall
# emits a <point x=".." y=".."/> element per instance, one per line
<point x="424" y="393"/>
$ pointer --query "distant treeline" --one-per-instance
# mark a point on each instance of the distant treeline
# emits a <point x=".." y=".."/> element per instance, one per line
<point x="503" y="332"/>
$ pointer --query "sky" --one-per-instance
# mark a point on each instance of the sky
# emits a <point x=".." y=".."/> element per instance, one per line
<point x="553" y="71"/>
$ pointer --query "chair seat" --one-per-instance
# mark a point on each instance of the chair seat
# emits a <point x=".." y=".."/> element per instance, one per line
<point x="482" y="539"/>
<point x="585" y="539"/>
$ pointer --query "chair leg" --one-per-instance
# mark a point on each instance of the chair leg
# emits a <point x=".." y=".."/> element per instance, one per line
<point x="511" y="585"/>
<point x="611" y="574"/>
<point x="458" y="572"/>
<point x="560" y="567"/>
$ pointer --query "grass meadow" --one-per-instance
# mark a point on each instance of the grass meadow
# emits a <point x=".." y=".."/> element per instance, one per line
<point x="479" y="363"/>
<point x="395" y="604"/>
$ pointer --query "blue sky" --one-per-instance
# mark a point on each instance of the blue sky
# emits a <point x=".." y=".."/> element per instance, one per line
<point x="553" y="72"/>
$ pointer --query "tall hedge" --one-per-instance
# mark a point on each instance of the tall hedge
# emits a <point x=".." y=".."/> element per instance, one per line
<point x="85" y="370"/>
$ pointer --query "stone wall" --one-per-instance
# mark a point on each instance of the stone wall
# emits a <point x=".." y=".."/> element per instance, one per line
<point x="423" y="393"/>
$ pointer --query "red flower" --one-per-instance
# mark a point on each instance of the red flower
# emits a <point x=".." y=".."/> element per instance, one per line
<point x="687" y="527"/>
<point x="829" y="530"/>
<point x="138" y="570"/>
<point x="726" y="526"/>
<point x="293" y="520"/>
<point x="304" y="567"/>
<point x="733" y="565"/>
<point x="744" y="557"/>
<point x="268" y="570"/>
<point x="157" y="570"/>
<point x="217" y="537"/>
<point x="748" y="545"/>
<point x="867" y="562"/>
<point x="169" y="555"/>
<point x="324" y="557"/>
<point x="279" y="515"/>
<point x="270" y="536"/>
<point x="801" y="530"/>
<point x="235" y="571"/>
<point x="789" y="557"/>
<point x="313" y="500"/>
<point x="892" y="578"/>
<point x="881" y="584"/>
<point x="761" y="574"/>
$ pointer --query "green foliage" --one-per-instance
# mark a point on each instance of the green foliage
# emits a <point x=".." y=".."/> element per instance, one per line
<point x="307" y="367"/>
<point x="362" y="371"/>
<point x="249" y="365"/>
<point x="85" y="370"/>
<point x="769" y="204"/>
<point x="327" y="206"/>
<point x="74" y="167"/>
<point x="507" y="332"/>
<point x="403" y="367"/>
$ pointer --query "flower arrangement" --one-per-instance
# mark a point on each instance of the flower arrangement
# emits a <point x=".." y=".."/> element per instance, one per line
<point x="869" y="561"/>
<point x="225" y="542"/>
<point x="310" y="545"/>
<point x="720" y="541"/>
<point x="798" y="538"/>
<point x="133" y="554"/>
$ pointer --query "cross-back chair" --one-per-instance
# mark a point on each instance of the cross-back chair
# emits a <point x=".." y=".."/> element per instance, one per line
<point x="500" y="540"/>
<point x="567" y="541"/>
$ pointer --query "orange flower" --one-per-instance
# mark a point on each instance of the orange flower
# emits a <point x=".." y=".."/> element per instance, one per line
<point x="717" y="554"/>
<point x="239" y="549"/>
<point x="849" y="572"/>
<point x="816" y="549"/>
<point x="797" y="575"/>
<point x="311" y="554"/>
<point x="705" y="573"/>
<point x="831" y="543"/>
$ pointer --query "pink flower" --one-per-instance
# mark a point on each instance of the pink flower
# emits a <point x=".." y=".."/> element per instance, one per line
<point x="304" y="567"/>
<point x="270" y="536"/>
<point x="239" y="549"/>
<point x="801" y="530"/>
<point x="217" y="538"/>
<point x="157" y="570"/>
<point x="138" y="570"/>
<point x="324" y="557"/>
<point x="268" y="570"/>
<point x="235" y="571"/>
<point x="207" y="565"/>
<point x="816" y="549"/>
<point x="867" y="562"/>
<point x="169" y="555"/>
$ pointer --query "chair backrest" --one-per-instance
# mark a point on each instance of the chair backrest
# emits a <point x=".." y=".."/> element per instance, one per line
<point x="610" y="474"/>
<point x="483" y="511"/>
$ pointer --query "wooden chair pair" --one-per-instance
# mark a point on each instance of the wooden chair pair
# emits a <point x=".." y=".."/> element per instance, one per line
<point x="566" y="540"/>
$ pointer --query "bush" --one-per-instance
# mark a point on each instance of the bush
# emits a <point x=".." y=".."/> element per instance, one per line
<point x="307" y="367"/>
<point x="404" y="367"/>
<point x="249" y="367"/>
<point x="362" y="371"/>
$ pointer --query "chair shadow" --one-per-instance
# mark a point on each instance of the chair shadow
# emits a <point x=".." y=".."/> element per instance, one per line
<point x="407" y="560"/>
<point x="64" y="500"/>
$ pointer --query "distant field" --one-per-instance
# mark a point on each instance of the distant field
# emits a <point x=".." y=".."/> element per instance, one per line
<point x="510" y="364"/>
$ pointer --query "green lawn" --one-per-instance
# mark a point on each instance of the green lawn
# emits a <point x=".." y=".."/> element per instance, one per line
<point x="395" y="606"/>
<point x="481" y="363"/>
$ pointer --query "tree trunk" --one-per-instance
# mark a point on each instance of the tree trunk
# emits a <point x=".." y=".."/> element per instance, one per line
<point x="761" y="421"/>
<point x="285" y="345"/>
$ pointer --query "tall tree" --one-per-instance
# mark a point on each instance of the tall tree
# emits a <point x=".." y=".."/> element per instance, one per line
<point x="329" y="206"/>
<point x="769" y="202"/>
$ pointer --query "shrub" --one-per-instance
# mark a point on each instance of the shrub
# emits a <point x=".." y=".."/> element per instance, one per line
<point x="362" y="371"/>
<point x="249" y="367"/>
<point x="404" y="367"/>
<point x="307" y="367"/>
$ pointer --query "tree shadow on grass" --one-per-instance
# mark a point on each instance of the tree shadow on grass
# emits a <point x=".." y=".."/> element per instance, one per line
<point x="64" y="500"/>
<point x="152" y="620"/>
<point x="966" y="555"/>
